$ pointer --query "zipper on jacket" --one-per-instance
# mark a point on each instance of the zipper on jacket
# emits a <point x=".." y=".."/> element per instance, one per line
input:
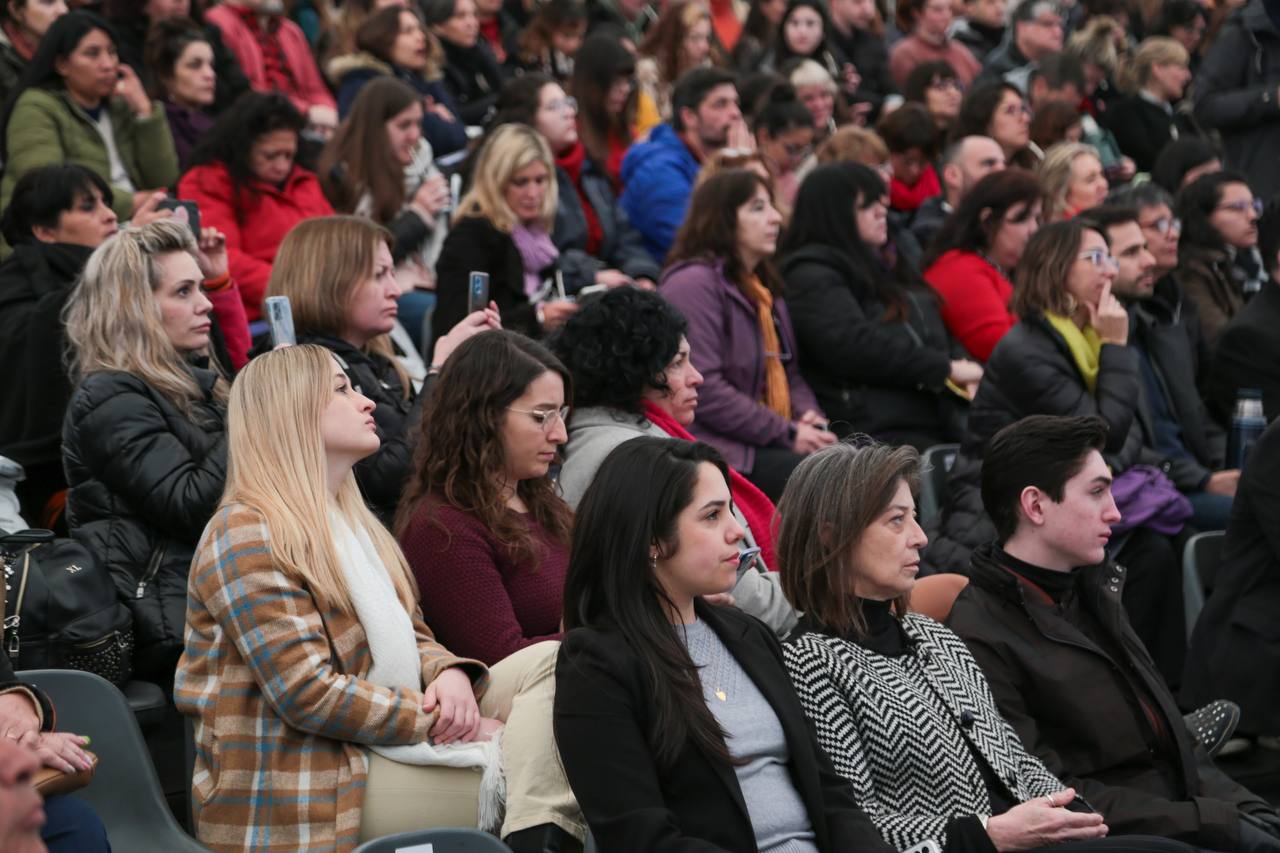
<point x="153" y="567"/>
<point x="14" y="620"/>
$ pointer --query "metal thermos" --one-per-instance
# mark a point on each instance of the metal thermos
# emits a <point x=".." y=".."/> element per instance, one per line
<point x="1247" y="425"/>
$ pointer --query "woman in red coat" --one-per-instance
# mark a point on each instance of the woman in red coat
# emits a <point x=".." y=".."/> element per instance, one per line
<point x="245" y="181"/>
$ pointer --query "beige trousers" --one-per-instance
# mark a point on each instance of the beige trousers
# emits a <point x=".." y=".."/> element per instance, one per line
<point x="405" y="797"/>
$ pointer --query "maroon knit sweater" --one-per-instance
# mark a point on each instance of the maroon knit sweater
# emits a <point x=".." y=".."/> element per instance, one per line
<point x="477" y="600"/>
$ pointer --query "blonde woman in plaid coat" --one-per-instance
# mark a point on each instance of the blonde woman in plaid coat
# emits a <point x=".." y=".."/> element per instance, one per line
<point x="278" y="670"/>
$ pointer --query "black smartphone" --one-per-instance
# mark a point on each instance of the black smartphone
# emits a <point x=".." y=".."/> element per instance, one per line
<point x="280" y="320"/>
<point x="192" y="209"/>
<point x="477" y="292"/>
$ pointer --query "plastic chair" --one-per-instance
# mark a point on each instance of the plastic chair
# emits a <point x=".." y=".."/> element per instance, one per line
<point x="935" y="595"/>
<point x="1200" y="560"/>
<point x="937" y="464"/>
<point x="450" y="840"/>
<point x="125" y="791"/>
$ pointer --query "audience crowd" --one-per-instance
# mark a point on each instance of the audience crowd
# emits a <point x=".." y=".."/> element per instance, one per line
<point x="587" y="502"/>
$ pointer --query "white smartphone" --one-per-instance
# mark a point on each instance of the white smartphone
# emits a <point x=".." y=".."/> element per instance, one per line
<point x="280" y="320"/>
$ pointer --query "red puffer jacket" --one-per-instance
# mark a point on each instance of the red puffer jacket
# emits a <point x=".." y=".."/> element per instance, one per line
<point x="254" y="219"/>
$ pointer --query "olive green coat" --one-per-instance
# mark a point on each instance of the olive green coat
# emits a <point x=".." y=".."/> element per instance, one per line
<point x="48" y="127"/>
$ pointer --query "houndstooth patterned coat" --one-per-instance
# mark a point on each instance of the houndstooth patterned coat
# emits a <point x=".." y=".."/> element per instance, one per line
<point x="895" y="727"/>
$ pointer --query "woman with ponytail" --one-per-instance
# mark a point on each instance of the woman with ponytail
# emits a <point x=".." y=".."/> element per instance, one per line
<point x="1149" y="116"/>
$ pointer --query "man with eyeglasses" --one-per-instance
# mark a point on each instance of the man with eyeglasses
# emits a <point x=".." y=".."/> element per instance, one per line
<point x="1248" y="352"/>
<point x="1035" y="32"/>
<point x="1178" y="435"/>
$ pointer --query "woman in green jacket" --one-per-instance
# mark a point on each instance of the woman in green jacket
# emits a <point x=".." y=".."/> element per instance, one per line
<point x="77" y="103"/>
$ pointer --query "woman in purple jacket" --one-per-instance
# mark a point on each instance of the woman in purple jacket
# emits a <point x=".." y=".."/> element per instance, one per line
<point x="754" y="407"/>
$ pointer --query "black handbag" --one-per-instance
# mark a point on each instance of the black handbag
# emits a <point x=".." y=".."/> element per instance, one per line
<point x="62" y="609"/>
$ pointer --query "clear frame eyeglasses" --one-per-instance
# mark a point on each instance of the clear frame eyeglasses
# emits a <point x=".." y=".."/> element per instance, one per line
<point x="1100" y="258"/>
<point x="546" y="418"/>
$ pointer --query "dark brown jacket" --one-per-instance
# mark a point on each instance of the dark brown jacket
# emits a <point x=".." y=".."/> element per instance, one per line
<point x="1074" y="708"/>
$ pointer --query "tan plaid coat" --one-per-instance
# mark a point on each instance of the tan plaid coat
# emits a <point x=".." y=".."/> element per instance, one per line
<point x="280" y="705"/>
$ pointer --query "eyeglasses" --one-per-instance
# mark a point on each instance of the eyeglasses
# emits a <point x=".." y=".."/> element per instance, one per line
<point x="947" y="83"/>
<point x="567" y="103"/>
<point x="1016" y="109"/>
<point x="1165" y="224"/>
<point x="1100" y="258"/>
<point x="797" y="151"/>
<point x="546" y="418"/>
<point x="1256" y="205"/>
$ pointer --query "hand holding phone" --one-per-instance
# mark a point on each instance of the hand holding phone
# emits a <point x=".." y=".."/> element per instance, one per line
<point x="191" y="213"/>
<point x="477" y="291"/>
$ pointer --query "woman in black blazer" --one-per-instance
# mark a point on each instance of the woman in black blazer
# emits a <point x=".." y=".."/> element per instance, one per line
<point x="675" y="719"/>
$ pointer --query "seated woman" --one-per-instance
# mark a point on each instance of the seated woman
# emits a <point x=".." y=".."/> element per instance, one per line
<point x="23" y="24"/>
<point x="179" y="60"/>
<point x="817" y="90"/>
<point x="394" y="43"/>
<point x="244" y="179"/>
<point x="629" y="360"/>
<point x="757" y="408"/>
<point x="997" y="109"/>
<point x="143" y="446"/>
<point x="304" y="627"/>
<point x="58" y="216"/>
<point x="912" y="138"/>
<point x="935" y="86"/>
<point x="1147" y="119"/>
<point x="77" y="104"/>
<point x="871" y="340"/>
<point x="804" y="33"/>
<point x="502" y="227"/>
<point x="480" y="522"/>
<point x="976" y="251"/>
<point x="675" y="720"/>
<point x="1072" y="179"/>
<point x="1219" y="265"/>
<point x="338" y="274"/>
<point x="898" y="702"/>
<point x="133" y="20"/>
<point x="596" y="241"/>
<point x="551" y="40"/>
<point x="472" y="74"/>
<point x="784" y="133"/>
<point x="378" y="165"/>
<point x="609" y="103"/>
<point x="678" y="42"/>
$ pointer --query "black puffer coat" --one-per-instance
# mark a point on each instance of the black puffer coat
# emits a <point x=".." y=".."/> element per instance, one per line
<point x="382" y="475"/>
<point x="144" y="480"/>
<point x="884" y="378"/>
<point x="1031" y="372"/>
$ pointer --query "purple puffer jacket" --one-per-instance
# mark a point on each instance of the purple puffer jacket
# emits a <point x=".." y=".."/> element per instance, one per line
<point x="725" y="346"/>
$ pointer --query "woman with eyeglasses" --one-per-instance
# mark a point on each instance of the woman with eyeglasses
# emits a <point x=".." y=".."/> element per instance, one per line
<point x="997" y="109"/>
<point x="597" y="244"/>
<point x="784" y="134"/>
<point x="872" y="342"/>
<point x="1219" y="265"/>
<point x="755" y="407"/>
<point x="936" y="86"/>
<point x="611" y="111"/>
<point x="481" y="523"/>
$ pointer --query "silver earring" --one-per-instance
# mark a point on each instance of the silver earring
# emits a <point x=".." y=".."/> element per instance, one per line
<point x="653" y="561"/>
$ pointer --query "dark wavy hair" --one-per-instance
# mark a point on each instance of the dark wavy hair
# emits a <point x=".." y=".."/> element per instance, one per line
<point x="633" y="504"/>
<point x="710" y="229"/>
<point x="1196" y="204"/>
<point x="459" y="452"/>
<point x="252" y="116"/>
<point x="618" y="346"/>
<point x="973" y="225"/>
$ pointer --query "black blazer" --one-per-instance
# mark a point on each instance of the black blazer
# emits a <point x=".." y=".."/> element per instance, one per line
<point x="602" y="712"/>
<point x="475" y="245"/>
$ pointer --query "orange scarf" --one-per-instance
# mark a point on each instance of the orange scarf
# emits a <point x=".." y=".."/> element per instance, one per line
<point x="777" y="393"/>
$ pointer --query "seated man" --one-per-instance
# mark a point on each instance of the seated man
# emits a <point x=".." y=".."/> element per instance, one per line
<point x="1042" y="616"/>
<point x="658" y="174"/>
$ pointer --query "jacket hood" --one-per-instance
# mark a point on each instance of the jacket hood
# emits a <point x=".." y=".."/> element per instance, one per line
<point x="340" y="66"/>
<point x="663" y="142"/>
<point x="593" y="417"/>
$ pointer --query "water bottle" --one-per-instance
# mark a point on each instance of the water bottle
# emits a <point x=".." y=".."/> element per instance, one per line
<point x="1247" y="425"/>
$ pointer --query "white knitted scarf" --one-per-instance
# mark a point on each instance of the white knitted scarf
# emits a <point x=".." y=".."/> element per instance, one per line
<point x="397" y="664"/>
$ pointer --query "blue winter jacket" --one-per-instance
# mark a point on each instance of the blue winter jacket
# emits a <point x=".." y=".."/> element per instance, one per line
<point x="657" y="179"/>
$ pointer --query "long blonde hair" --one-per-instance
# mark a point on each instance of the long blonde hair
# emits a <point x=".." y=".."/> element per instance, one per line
<point x="276" y="467"/>
<point x="509" y="148"/>
<point x="320" y="264"/>
<point x="113" y="321"/>
<point x="1055" y="175"/>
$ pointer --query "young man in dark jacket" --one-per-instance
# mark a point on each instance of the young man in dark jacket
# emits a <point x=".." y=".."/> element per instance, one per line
<point x="1179" y="437"/>
<point x="1043" y="616"/>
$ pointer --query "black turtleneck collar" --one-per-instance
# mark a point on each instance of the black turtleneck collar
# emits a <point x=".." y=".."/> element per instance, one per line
<point x="1055" y="584"/>
<point x="885" y="635"/>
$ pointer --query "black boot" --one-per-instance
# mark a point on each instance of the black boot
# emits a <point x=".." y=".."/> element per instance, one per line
<point x="544" y="838"/>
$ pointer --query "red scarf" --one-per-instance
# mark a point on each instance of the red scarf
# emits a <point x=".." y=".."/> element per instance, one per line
<point x="23" y="44"/>
<point x="755" y="506"/>
<point x="903" y="197"/>
<point x="492" y="32"/>
<point x="618" y="149"/>
<point x="571" y="161"/>
<point x="725" y="22"/>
